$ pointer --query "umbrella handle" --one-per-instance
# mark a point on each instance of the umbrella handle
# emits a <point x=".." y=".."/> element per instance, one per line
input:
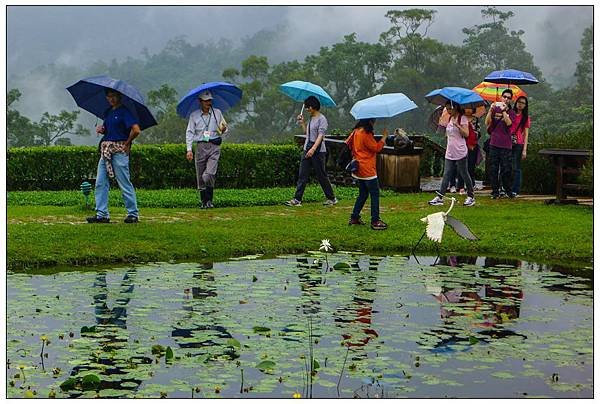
<point x="302" y="110"/>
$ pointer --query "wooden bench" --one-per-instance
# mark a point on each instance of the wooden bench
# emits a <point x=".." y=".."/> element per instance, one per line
<point x="566" y="161"/>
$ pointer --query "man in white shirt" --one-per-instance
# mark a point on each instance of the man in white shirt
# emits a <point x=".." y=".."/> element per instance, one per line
<point x="205" y="128"/>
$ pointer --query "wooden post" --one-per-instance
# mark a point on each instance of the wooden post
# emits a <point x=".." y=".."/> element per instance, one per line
<point x="559" y="163"/>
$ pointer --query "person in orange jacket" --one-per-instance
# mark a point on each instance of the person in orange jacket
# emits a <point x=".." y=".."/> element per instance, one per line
<point x="364" y="151"/>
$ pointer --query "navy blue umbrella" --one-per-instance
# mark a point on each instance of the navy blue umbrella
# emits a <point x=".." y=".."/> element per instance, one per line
<point x="90" y="95"/>
<point x="511" y="76"/>
<point x="225" y="95"/>
<point x="462" y="96"/>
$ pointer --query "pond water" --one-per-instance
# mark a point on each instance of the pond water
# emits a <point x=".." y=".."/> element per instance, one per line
<point x="373" y="326"/>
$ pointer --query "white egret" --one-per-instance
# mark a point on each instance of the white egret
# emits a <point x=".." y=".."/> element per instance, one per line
<point x="436" y="223"/>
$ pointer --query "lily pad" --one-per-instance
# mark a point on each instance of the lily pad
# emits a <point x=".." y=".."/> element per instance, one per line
<point x="266" y="365"/>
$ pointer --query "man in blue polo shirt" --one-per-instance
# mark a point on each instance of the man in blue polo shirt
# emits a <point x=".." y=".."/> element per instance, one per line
<point x="119" y="129"/>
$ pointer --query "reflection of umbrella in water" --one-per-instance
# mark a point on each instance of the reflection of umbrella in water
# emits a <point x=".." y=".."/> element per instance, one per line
<point x="90" y="94"/>
<point x="382" y="106"/>
<point x="510" y="77"/>
<point x="225" y="95"/>
<point x="300" y="90"/>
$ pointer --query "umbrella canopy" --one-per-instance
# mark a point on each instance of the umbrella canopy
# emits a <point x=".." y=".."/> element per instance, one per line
<point x="382" y="106"/>
<point x="301" y="90"/>
<point x="511" y="76"/>
<point x="440" y="116"/>
<point x="225" y="95"/>
<point x="462" y="96"/>
<point x="90" y="95"/>
<point x="491" y="91"/>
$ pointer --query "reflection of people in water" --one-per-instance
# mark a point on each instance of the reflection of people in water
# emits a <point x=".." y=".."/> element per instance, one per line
<point x="355" y="318"/>
<point x="505" y="290"/>
<point x="454" y="261"/>
<point x="199" y="328"/>
<point x="113" y="367"/>
<point x="490" y="300"/>
<point x="311" y="277"/>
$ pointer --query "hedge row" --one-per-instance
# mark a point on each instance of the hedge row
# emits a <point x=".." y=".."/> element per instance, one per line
<point x="152" y="166"/>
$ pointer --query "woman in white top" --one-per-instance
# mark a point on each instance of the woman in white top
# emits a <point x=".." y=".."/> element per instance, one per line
<point x="457" y="132"/>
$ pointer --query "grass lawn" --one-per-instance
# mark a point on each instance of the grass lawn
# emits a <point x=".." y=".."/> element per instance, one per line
<point x="48" y="228"/>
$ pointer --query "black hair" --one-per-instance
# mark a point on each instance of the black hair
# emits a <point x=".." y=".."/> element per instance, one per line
<point x="312" y="102"/>
<point x="508" y="90"/>
<point x="457" y="107"/>
<point x="525" y="113"/>
<point x="366" y="124"/>
<point x="112" y="90"/>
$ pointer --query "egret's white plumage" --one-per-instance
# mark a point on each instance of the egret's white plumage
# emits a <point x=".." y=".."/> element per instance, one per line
<point x="436" y="222"/>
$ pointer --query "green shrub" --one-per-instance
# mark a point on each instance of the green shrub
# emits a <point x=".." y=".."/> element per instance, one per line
<point x="152" y="166"/>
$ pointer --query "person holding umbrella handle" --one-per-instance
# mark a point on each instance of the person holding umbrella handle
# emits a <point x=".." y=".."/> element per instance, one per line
<point x="314" y="153"/>
<point x="205" y="127"/>
<point x="499" y="120"/>
<point x="120" y="128"/>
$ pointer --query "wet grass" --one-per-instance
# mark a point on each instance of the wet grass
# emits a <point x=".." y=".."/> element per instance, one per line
<point x="43" y="235"/>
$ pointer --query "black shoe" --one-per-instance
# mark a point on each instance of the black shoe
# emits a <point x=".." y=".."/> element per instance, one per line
<point x="131" y="219"/>
<point x="96" y="219"/>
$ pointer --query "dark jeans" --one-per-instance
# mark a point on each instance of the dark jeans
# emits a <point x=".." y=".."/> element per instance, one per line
<point x="451" y="167"/>
<point x="517" y="151"/>
<point x="366" y="188"/>
<point x="471" y="163"/>
<point x="500" y="169"/>
<point x="317" y="161"/>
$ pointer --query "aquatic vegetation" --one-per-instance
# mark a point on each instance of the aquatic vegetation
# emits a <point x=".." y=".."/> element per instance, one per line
<point x="385" y="327"/>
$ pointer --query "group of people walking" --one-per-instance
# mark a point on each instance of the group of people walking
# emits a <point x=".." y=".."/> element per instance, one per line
<point x="507" y="125"/>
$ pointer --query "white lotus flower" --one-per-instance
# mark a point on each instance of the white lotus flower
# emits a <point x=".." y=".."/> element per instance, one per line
<point x="325" y="246"/>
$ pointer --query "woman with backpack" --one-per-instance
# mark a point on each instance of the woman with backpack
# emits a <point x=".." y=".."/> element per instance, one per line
<point x="457" y="131"/>
<point x="364" y="149"/>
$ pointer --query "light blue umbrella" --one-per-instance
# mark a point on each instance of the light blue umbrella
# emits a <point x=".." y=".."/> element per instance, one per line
<point x="462" y="96"/>
<point x="382" y="106"/>
<point x="225" y="95"/>
<point x="511" y="76"/>
<point x="301" y="90"/>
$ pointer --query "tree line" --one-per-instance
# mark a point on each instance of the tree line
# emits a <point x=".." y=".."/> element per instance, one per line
<point x="405" y="59"/>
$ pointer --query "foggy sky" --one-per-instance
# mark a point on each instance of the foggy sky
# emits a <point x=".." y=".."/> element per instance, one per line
<point x="79" y="35"/>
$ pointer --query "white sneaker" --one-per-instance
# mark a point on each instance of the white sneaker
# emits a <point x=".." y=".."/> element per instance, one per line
<point x="437" y="201"/>
<point x="330" y="202"/>
<point x="462" y="191"/>
<point x="452" y="190"/>
<point x="293" y="202"/>
<point x="469" y="201"/>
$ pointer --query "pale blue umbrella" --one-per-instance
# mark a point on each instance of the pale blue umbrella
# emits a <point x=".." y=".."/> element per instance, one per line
<point x="301" y="90"/>
<point x="382" y="106"/>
